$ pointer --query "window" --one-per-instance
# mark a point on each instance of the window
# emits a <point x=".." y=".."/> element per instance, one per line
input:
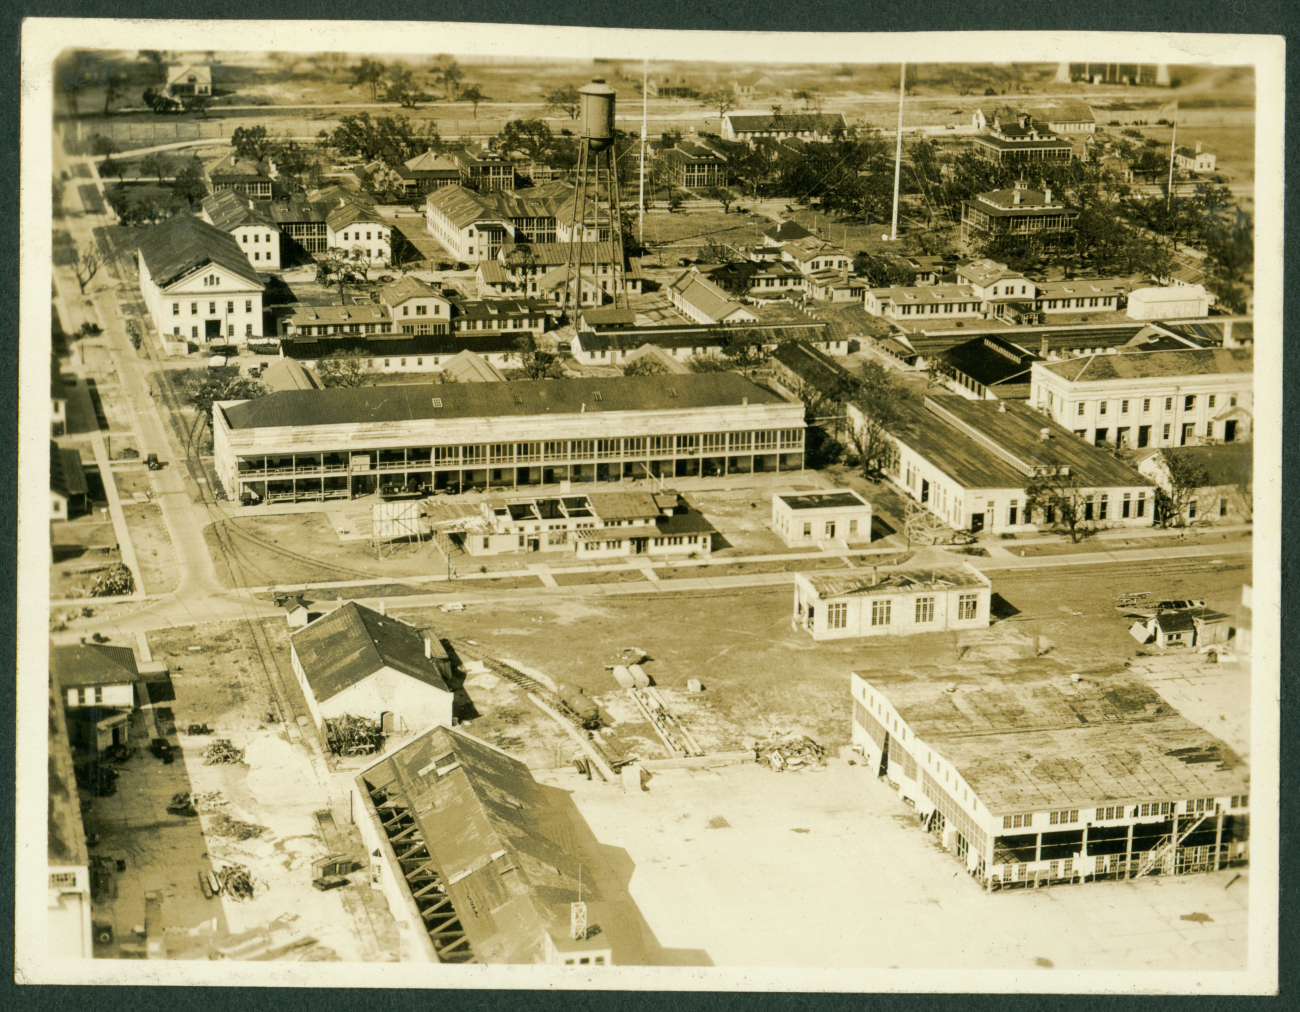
<point x="807" y="530"/>
<point x="1123" y="407"/>
<point x="257" y="256"/>
<point x="176" y="309"/>
<point x="1063" y="818"/>
<point x="244" y="237"/>
<point x="1101" y="408"/>
<point x="194" y="309"/>
<point x="248" y="330"/>
<point x="1191" y="510"/>
<point x="230" y="330"/>
<point x="1165" y="431"/>
<point x="967" y="607"/>
<point x="1146" y="404"/>
<point x="1232" y="401"/>
<point x="853" y="526"/>
<point x="1169" y="404"/>
<point x="1103" y="506"/>
<point x="880" y="612"/>
<point x="1209" y="430"/>
<point x="421" y="310"/>
<point x="1223" y="507"/>
<point x="1142" y="504"/>
<point x="1017" y="821"/>
<point x="925" y="609"/>
<point x="1213" y="398"/>
<point x="1012" y="510"/>
<point x="1080" y="411"/>
<point x="1113" y="812"/>
<point x="248" y="305"/>
<point x="194" y="332"/>
<point x="1126" y="505"/>
<point x="830" y="529"/>
<point x="212" y="308"/>
<point x="837" y="616"/>
<point x="1189" y="402"/>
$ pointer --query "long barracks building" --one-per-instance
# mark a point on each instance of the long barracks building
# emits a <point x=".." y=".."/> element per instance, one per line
<point x="339" y="443"/>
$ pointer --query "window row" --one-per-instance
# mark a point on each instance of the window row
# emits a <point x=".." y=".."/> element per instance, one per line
<point x="212" y="307"/>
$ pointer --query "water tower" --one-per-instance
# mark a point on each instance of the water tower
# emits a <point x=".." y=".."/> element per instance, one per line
<point x="593" y="207"/>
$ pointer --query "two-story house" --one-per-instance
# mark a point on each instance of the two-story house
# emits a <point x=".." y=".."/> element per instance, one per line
<point x="243" y="175"/>
<point x="483" y="169"/>
<point x="694" y="164"/>
<point x="428" y="172"/>
<point x="1018" y="211"/>
<point x="1156" y="398"/>
<point x="198" y="283"/>
<point x="187" y="80"/>
<point x="1017" y="137"/>
<point x="1195" y="159"/>
<point x="416" y="307"/>
<point x="249" y="223"/>
<point x="353" y="225"/>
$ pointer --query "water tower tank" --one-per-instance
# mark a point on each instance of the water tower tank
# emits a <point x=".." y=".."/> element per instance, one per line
<point x="596" y="116"/>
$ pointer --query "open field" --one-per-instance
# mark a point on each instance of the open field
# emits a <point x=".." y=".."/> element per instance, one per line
<point x="1193" y="536"/>
<point x="153" y="547"/>
<point x="716" y="853"/>
<point x="681" y="233"/>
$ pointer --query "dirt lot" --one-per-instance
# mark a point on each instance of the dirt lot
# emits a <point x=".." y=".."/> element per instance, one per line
<point x="153" y="548"/>
<point x="714" y="853"/>
<point x="1193" y="537"/>
<point x="682" y="233"/>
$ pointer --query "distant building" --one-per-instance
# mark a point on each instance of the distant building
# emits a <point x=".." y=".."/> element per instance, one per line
<point x="821" y="126"/>
<point x="363" y="663"/>
<point x="787" y="231"/>
<point x="1189" y="628"/>
<point x="481" y="864"/>
<point x="1227" y="494"/>
<point x="1018" y="211"/>
<point x="891" y="602"/>
<point x="1159" y="398"/>
<point x="467" y="367"/>
<point x="751" y="84"/>
<point x="821" y="518"/>
<point x="95" y="674"/>
<point x="68" y="925"/>
<point x="58" y="399"/>
<point x="1195" y="159"/>
<point x="1063" y="118"/>
<point x="694" y="164"/>
<point x="1099" y="788"/>
<point x="1015" y="137"/>
<point x="244" y="176"/>
<point x="289" y="374"/>
<point x="670" y="86"/>
<point x="1146" y="74"/>
<point x="483" y="169"/>
<point x="1176" y="302"/>
<point x="428" y="172"/>
<point x="187" y="80"/>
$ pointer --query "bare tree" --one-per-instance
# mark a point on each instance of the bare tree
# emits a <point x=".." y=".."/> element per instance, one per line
<point x="1062" y="499"/>
<point x="1183" y="477"/>
<point x="344" y="369"/>
<point x="85" y="266"/>
<point x="721" y="98"/>
<point x="565" y="99"/>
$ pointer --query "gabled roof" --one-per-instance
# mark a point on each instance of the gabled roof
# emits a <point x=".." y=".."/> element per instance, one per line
<point x="468" y="367"/>
<point x="670" y="364"/>
<point x="229" y="209"/>
<point x="93" y="664"/>
<point x="286" y="374"/>
<point x="67" y="476"/>
<point x="1143" y="364"/>
<point x="821" y="122"/>
<point x="814" y="367"/>
<point x="341" y="217"/>
<point x="787" y="231"/>
<point x="230" y="166"/>
<point x="895" y="581"/>
<point x="608" y="316"/>
<point x="623" y="505"/>
<point x="705" y="296"/>
<point x="990" y="360"/>
<point x="1064" y="112"/>
<point x="351" y="643"/>
<point x="465" y="206"/>
<point x="430" y="162"/>
<point x="177" y="73"/>
<point x="183" y="245"/>
<point x="409" y="288"/>
<point x="1223" y="463"/>
<point x="556" y="254"/>
<point x="520" y="398"/>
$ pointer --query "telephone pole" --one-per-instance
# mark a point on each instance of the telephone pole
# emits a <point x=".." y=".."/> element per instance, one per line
<point x="898" y="154"/>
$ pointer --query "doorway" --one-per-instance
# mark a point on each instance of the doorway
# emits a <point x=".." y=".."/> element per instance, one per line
<point x="1144" y="435"/>
<point x="211" y="330"/>
<point x="925" y="490"/>
<point x="639" y="545"/>
<point x="1229" y="430"/>
<point x="976" y="522"/>
<point x="534" y="544"/>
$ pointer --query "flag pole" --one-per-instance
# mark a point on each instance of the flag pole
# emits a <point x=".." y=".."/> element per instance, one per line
<point x="898" y="155"/>
<point x="645" y="80"/>
<point x="1173" y="146"/>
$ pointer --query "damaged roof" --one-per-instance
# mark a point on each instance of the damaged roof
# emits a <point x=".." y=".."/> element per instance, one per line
<point x="184" y="244"/>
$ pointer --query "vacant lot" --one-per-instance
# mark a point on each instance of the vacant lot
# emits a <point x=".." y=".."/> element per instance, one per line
<point x="682" y="233"/>
<point x="1192" y="537"/>
<point x="153" y="547"/>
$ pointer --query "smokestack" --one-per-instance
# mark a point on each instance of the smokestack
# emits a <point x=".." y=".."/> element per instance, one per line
<point x="875" y="576"/>
<point x="1047" y="195"/>
<point x="428" y="648"/>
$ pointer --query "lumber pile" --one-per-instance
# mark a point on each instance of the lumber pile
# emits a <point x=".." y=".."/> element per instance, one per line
<point x="182" y="804"/>
<point x="790" y="754"/>
<point x="236" y="882"/>
<point x="222" y="751"/>
<point x="348" y="735"/>
<point x="234" y="829"/>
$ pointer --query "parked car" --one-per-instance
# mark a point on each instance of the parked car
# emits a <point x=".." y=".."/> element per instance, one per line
<point x="385" y="279"/>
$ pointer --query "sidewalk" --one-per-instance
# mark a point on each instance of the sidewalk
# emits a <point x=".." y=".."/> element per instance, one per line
<point x="120" y="528"/>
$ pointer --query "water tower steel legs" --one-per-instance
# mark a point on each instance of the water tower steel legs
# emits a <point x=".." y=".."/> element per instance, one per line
<point x="589" y="166"/>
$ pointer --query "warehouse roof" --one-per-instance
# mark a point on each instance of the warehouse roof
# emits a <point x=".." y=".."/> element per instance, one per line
<point x="1010" y="425"/>
<point x="405" y="403"/>
<point x="814" y="367"/>
<point x="184" y="244"/>
<point x="1020" y="142"/>
<point x="93" y="664"/>
<point x="990" y="360"/>
<point x="1156" y="364"/>
<point x="482" y="342"/>
<point x="502" y="845"/>
<point x="229" y="209"/>
<point x="697" y="290"/>
<point x="623" y="505"/>
<point x="351" y="643"/>
<point x="895" y="581"/>
<point x="556" y="254"/>
<point x="1027" y="738"/>
<point x="1214" y="331"/>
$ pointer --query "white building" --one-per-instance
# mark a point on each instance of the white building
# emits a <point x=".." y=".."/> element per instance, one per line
<point x="358" y="227"/>
<point x="95" y="674"/>
<point x="197" y="282"/>
<point x="256" y="231"/>
<point x="891" y="602"/>
<point x="821" y="518"/>
<point x="1175" y="302"/>
<point x="1195" y="159"/>
<point x="68" y="923"/>
<point x="1157" y="398"/>
<point x="699" y="299"/>
<point x="363" y="663"/>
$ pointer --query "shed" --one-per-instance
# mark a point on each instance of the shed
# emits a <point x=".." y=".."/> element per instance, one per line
<point x="95" y="674"/>
<point x="821" y="517"/>
<point x="1176" y="302"/>
<point x="360" y="662"/>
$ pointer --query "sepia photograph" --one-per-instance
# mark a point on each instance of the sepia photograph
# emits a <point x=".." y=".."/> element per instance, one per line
<point x="601" y="508"/>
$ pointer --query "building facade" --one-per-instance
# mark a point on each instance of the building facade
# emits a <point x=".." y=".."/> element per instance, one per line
<point x="338" y="443"/>
<point x="256" y="232"/>
<point x="1018" y="212"/>
<point x="1158" y="398"/>
<point x="891" y="602"/>
<point x="821" y="126"/>
<point x="821" y="518"/>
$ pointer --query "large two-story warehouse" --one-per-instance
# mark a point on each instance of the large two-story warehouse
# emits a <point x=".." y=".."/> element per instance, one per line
<point x="340" y="442"/>
<point x="1034" y="777"/>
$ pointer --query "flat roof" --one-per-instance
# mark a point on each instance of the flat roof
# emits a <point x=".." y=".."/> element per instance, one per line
<point x="1027" y="738"/>
<point x="1144" y="365"/>
<point x="895" y="581"/>
<point x="520" y="398"/>
<point x="824" y="500"/>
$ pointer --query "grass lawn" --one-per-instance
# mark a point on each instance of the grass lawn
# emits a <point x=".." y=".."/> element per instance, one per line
<point x="153" y="547"/>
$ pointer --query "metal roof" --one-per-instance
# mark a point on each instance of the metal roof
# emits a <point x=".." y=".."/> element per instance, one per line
<point x="230" y="209"/>
<point x="184" y="244"/>
<point x="93" y="664"/>
<point x="1026" y="738"/>
<point x="521" y="398"/>
<point x="1145" y="365"/>
<point x="351" y="643"/>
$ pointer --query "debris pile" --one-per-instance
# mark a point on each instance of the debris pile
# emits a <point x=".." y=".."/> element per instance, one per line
<point x="236" y="882"/>
<point x="224" y="826"/>
<point x="222" y="751"/>
<point x="96" y="779"/>
<point x="207" y="801"/>
<point x="790" y="753"/>
<point x="349" y="735"/>
<point x="117" y="580"/>
<point x="199" y="729"/>
<point x="181" y="804"/>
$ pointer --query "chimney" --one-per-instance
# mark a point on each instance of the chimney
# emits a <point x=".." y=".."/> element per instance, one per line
<point x="1015" y="197"/>
<point x="875" y="576"/>
<point x="1198" y="147"/>
<point x="381" y="608"/>
<point x="1002" y="407"/>
<point x="745" y="400"/>
<point x="1044" y="434"/>
<point x="341" y="202"/>
<point x="584" y="408"/>
<point x="428" y="648"/>
<point x="1042" y="347"/>
<point x="1047" y="195"/>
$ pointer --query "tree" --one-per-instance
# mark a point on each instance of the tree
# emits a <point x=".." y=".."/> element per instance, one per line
<point x="204" y="387"/>
<point x="521" y="262"/>
<point x="1061" y="499"/>
<point x="336" y="264"/>
<point x="721" y="98"/>
<point x="531" y="136"/>
<point x="743" y="348"/>
<point x="156" y="164"/>
<point x="160" y="102"/>
<point x="403" y="89"/>
<point x="722" y="195"/>
<point x="939" y="372"/>
<point x="715" y="252"/>
<point x="564" y="99"/>
<point x="877" y="396"/>
<point x="198" y="104"/>
<point x="114" y="87"/>
<point x="85" y="266"/>
<point x="472" y="94"/>
<point x="385" y="184"/>
<point x="111" y="166"/>
<point x="535" y="363"/>
<point x="252" y="143"/>
<point x="646" y="365"/>
<point x="883" y="271"/>
<point x="103" y="147"/>
<point x="451" y="76"/>
<point x="368" y="72"/>
<point x="344" y="369"/>
<point x="708" y="363"/>
<point x="189" y="185"/>
<point x="1182" y="479"/>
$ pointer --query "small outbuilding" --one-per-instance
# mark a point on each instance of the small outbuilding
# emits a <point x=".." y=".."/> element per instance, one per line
<point x="95" y="674"/>
<point x="1176" y="302"/>
<point x="362" y="663"/>
<point x="894" y="602"/>
<point x="821" y="519"/>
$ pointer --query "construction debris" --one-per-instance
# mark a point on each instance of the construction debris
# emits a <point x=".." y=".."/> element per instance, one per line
<point x="790" y="753"/>
<point x="116" y="581"/>
<point x="199" y="729"/>
<point x="222" y="751"/>
<point x="224" y="826"/>
<point x="236" y="882"/>
<point x="349" y="735"/>
<point x="181" y="804"/>
<point x="207" y="801"/>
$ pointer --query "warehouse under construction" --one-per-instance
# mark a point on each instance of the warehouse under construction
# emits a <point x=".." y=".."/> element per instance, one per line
<point x="1032" y="778"/>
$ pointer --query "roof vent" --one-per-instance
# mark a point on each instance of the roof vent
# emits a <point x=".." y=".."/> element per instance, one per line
<point x="672" y="391"/>
<point x="952" y="686"/>
<point x="437" y="402"/>
<point x="519" y="399"/>
<point x="597" y="396"/>
<point x="1076" y="678"/>
<point x="1002" y="407"/>
<point x="1044" y="433"/>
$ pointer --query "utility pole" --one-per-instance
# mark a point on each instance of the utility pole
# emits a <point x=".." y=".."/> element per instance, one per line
<point x="898" y="154"/>
<point x="1173" y="146"/>
<point x="645" y="80"/>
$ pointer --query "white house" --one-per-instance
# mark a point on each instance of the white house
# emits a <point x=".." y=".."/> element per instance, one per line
<point x="821" y="518"/>
<point x="1174" y="302"/>
<point x="417" y="307"/>
<point x="256" y="231"/>
<point x="1150" y="398"/>
<point x="893" y="602"/>
<point x="197" y="282"/>
<point x="1195" y="159"/>
<point x="355" y="226"/>
<point x="95" y="674"/>
<point x="699" y="299"/>
<point x="363" y="663"/>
